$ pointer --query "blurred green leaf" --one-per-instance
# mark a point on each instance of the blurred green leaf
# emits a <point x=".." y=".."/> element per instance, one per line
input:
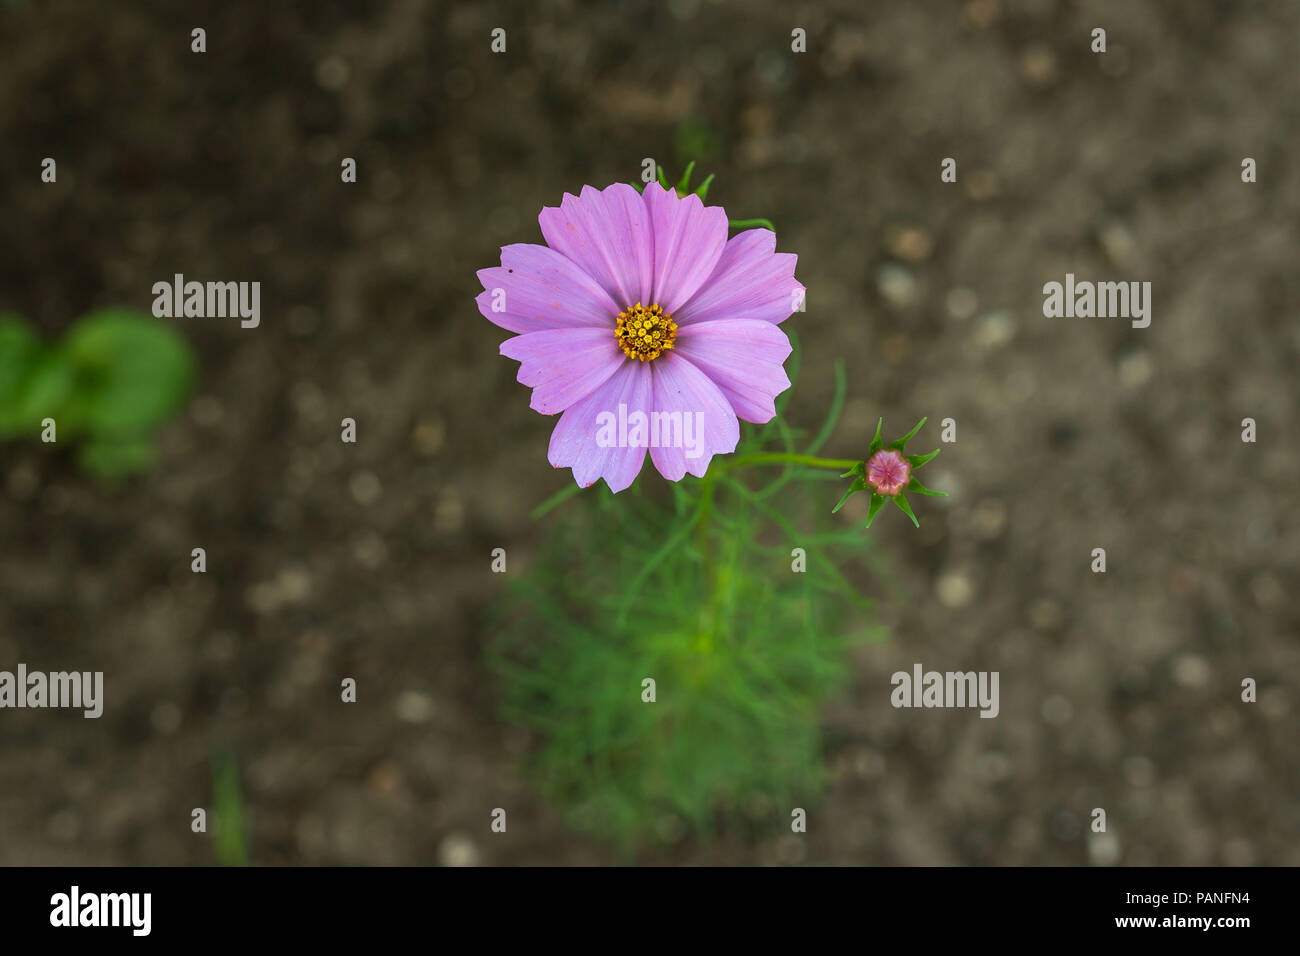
<point x="19" y="350"/>
<point x="229" y="833"/>
<point x="131" y="372"/>
<point x="112" y="457"/>
<point x="45" y="389"/>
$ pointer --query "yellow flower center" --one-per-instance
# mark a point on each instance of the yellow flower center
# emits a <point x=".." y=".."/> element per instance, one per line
<point x="645" y="333"/>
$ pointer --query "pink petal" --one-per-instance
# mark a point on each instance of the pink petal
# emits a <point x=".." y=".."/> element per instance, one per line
<point x="609" y="235"/>
<point x="743" y="357"/>
<point x="680" y="387"/>
<point x="688" y="240"/>
<point x="574" y="442"/>
<point x="563" y="365"/>
<point x="543" y="290"/>
<point x="751" y="281"/>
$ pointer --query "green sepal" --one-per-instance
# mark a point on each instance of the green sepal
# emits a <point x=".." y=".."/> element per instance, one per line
<point x="704" y="187"/>
<point x="916" y="461"/>
<point x="920" y="489"/>
<point x="900" y="499"/>
<point x="900" y="443"/>
<point x="877" y="502"/>
<point x="684" y="184"/>
<point x="663" y="179"/>
<point x="858" y="485"/>
<point x="876" y="442"/>
<point x="751" y="224"/>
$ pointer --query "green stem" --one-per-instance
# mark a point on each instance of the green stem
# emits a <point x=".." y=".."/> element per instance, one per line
<point x="790" y="458"/>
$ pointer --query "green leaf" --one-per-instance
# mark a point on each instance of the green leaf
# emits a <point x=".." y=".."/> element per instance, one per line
<point x="131" y="371"/>
<point x="916" y="461"/>
<point x="900" y="443"/>
<point x="704" y="187"/>
<point x="920" y="489"/>
<point x="877" y="502"/>
<point x="900" y="499"/>
<point x="875" y="442"/>
<point x="663" y="178"/>
<point x="858" y="485"/>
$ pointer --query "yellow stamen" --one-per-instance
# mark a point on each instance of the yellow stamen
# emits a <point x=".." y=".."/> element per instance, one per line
<point x="645" y="333"/>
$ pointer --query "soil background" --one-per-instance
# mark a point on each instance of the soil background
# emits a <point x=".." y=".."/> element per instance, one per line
<point x="1119" y="690"/>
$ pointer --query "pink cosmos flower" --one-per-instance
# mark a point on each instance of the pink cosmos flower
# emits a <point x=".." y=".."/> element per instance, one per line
<point x="645" y="328"/>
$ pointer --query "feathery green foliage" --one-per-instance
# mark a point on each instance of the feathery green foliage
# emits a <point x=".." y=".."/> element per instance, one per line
<point x="690" y="584"/>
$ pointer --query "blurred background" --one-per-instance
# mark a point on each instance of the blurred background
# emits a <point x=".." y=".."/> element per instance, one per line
<point x="1118" y="690"/>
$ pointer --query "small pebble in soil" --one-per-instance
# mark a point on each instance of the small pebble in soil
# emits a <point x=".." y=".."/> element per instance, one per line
<point x="449" y="515"/>
<point x="413" y="707"/>
<point x="370" y="551"/>
<point x="1038" y="65"/>
<point x="994" y="330"/>
<point x="909" y="243"/>
<point x="1191" y="671"/>
<point x="1135" y="369"/>
<point x="385" y="779"/>
<point x="990" y="518"/>
<point x="981" y="185"/>
<point x="896" y="284"/>
<point x="427" y="436"/>
<point x="1118" y="243"/>
<point x="457" y="849"/>
<point x="955" y="589"/>
<point x="981" y="13"/>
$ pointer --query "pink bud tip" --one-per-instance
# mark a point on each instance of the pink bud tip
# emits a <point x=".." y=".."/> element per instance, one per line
<point x="888" y="472"/>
